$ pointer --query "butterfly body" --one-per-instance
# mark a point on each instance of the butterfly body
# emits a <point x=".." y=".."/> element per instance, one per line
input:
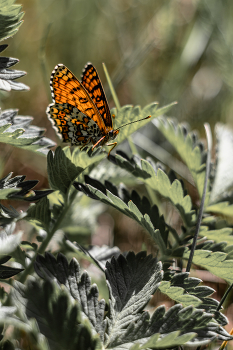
<point x="80" y="112"/>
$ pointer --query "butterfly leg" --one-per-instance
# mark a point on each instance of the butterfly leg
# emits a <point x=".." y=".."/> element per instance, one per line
<point x="97" y="143"/>
<point x="90" y="139"/>
<point x="111" y="144"/>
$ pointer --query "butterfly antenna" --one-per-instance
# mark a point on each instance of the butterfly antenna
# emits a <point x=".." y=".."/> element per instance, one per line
<point x="134" y="122"/>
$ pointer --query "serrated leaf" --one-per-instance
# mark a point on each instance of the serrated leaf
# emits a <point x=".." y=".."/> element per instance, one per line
<point x="175" y="327"/>
<point x="158" y="180"/>
<point x="223" y="176"/>
<point x="17" y="131"/>
<point x="128" y="114"/>
<point x="132" y="280"/>
<point x="57" y="315"/>
<point x="218" y="235"/>
<point x="224" y="209"/>
<point x="7" y="76"/>
<point x="64" y="167"/>
<point x="82" y="159"/>
<point x="172" y="339"/>
<point x="189" y="292"/>
<point x="10" y="18"/>
<point x="187" y="147"/>
<point x="135" y="211"/>
<point x="215" y="262"/>
<point x="177" y="294"/>
<point x="78" y="285"/>
<point x="18" y="188"/>
<point x="40" y="213"/>
<point x="9" y="242"/>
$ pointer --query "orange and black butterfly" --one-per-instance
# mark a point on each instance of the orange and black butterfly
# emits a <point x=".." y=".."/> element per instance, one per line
<point x="80" y="113"/>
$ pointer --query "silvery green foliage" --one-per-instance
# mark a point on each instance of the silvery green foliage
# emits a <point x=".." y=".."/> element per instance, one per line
<point x="8" y="76"/>
<point x="17" y="131"/>
<point x="131" y="280"/>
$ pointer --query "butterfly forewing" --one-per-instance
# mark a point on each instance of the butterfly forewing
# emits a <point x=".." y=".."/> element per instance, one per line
<point x="66" y="88"/>
<point x="92" y="83"/>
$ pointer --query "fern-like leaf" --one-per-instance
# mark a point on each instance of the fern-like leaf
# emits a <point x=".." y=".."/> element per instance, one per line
<point x="39" y="214"/>
<point x="219" y="235"/>
<point x="187" y="291"/>
<point x="17" y="188"/>
<point x="9" y="241"/>
<point x="17" y="131"/>
<point x="128" y="114"/>
<point x="57" y="315"/>
<point x="187" y="146"/>
<point x="8" y="76"/>
<point x="158" y="180"/>
<point x="223" y="175"/>
<point x="131" y="205"/>
<point x="29" y="327"/>
<point x="132" y="280"/>
<point x="79" y="286"/>
<point x="64" y="167"/>
<point x="10" y="18"/>
<point x="215" y="262"/>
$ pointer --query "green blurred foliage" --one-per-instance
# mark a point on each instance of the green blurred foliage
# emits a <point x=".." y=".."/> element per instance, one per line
<point x="154" y="51"/>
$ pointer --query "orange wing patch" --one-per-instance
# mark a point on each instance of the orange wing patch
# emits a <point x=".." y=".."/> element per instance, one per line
<point x="66" y="88"/>
<point x="92" y="83"/>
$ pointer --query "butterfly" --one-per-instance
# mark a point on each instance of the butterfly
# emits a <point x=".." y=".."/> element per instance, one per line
<point x="80" y="112"/>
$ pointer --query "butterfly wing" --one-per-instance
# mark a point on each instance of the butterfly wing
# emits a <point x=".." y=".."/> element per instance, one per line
<point x="66" y="89"/>
<point x="92" y="83"/>
<point x="72" y="125"/>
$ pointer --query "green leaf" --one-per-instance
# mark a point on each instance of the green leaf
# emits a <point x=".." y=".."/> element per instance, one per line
<point x="7" y="271"/>
<point x="64" y="167"/>
<point x="40" y="214"/>
<point x="58" y="316"/>
<point x="224" y="209"/>
<point x="29" y="327"/>
<point x="8" y="76"/>
<point x="172" y="339"/>
<point x="223" y="180"/>
<point x="128" y="114"/>
<point x="218" y="235"/>
<point x="160" y="182"/>
<point x="187" y="146"/>
<point x="131" y="282"/>
<point x="16" y="131"/>
<point x="17" y="188"/>
<point x="81" y="290"/>
<point x="130" y="205"/>
<point x="215" y="262"/>
<point x="9" y="241"/>
<point x="188" y="291"/>
<point x="9" y="215"/>
<point x="10" y="18"/>
<point x="177" y="294"/>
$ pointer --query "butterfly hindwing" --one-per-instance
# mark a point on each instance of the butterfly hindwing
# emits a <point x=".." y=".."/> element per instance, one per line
<point x="92" y="83"/>
<point x="72" y="125"/>
<point x="66" y="89"/>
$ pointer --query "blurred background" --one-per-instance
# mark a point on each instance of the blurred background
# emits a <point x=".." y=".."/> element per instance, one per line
<point x="155" y="50"/>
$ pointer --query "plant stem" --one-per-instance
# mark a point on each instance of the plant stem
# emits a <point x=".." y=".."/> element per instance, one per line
<point x="118" y="106"/>
<point x="47" y="240"/>
<point x="225" y="342"/>
<point x="42" y="59"/>
<point x="113" y="92"/>
<point x="209" y="147"/>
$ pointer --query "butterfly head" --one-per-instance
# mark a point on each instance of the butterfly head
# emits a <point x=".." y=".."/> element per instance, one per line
<point x="113" y="134"/>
